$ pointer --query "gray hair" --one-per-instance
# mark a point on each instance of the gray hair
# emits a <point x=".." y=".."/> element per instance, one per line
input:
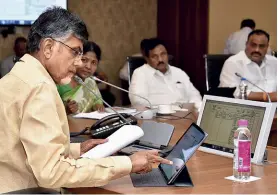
<point x="56" y="23"/>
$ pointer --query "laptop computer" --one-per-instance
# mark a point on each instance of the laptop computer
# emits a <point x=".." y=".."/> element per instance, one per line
<point x="176" y="174"/>
<point x="218" y="117"/>
<point x="156" y="136"/>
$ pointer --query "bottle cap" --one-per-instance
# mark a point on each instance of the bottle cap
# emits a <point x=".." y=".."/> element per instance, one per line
<point x="242" y="122"/>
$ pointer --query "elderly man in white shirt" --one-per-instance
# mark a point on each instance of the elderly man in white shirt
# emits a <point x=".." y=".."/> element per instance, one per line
<point x="159" y="82"/>
<point x="254" y="65"/>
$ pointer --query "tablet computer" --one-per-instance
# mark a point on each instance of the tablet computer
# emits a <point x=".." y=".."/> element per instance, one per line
<point x="181" y="153"/>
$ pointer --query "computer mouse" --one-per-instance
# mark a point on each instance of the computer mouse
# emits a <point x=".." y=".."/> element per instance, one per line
<point x="145" y="115"/>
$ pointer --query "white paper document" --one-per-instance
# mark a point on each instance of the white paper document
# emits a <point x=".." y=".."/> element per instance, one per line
<point x="118" y="140"/>
<point x="100" y="115"/>
<point x="121" y="110"/>
<point x="173" y="106"/>
<point x="252" y="178"/>
<point x="92" y="115"/>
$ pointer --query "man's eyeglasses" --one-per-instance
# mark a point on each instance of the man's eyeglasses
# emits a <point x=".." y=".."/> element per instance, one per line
<point x="77" y="53"/>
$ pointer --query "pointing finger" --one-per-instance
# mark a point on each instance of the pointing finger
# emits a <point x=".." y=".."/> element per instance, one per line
<point x="159" y="159"/>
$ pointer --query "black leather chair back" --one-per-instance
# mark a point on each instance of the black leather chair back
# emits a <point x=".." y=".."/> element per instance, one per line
<point x="133" y="63"/>
<point x="137" y="61"/>
<point x="214" y="64"/>
<point x="222" y="91"/>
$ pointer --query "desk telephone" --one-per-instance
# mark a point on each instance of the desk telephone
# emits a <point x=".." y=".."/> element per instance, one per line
<point x="108" y="125"/>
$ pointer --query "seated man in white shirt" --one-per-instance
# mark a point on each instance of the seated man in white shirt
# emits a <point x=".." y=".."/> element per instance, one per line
<point x="159" y="82"/>
<point x="19" y="51"/>
<point x="237" y="40"/>
<point x="254" y="65"/>
<point x="124" y="70"/>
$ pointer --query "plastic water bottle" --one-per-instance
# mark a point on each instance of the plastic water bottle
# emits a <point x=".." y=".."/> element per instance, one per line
<point x="243" y="89"/>
<point x="242" y="151"/>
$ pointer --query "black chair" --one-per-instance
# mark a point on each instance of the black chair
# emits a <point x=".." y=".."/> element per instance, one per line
<point x="213" y="65"/>
<point x="222" y="91"/>
<point x="137" y="61"/>
<point x="133" y="63"/>
<point x="125" y="98"/>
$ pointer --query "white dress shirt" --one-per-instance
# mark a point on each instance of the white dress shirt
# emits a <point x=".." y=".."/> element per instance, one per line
<point x="265" y="76"/>
<point x="237" y="41"/>
<point x="172" y="87"/>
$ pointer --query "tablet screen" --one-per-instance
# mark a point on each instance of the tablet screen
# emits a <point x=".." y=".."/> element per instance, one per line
<point x="182" y="151"/>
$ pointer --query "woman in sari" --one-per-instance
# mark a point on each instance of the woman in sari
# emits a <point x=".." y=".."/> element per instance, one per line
<point x="76" y="97"/>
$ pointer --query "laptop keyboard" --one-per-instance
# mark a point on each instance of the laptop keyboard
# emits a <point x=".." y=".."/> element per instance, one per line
<point x="153" y="178"/>
<point x="135" y="148"/>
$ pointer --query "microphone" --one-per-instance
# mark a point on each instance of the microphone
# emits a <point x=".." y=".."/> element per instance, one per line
<point x="268" y="97"/>
<point x="147" y="114"/>
<point x="97" y="79"/>
<point x="79" y="80"/>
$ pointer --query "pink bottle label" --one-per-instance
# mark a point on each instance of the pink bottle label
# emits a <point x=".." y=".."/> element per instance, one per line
<point x="244" y="156"/>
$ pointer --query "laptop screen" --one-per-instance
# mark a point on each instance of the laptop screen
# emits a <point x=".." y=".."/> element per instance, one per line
<point x="219" y="120"/>
<point x="182" y="151"/>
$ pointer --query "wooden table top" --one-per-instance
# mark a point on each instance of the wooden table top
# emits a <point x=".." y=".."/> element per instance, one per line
<point x="207" y="171"/>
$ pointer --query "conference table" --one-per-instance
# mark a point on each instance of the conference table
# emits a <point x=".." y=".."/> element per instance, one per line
<point x="207" y="171"/>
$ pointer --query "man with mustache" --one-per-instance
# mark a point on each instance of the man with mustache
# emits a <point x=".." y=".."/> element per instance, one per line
<point x="255" y="65"/>
<point x="159" y="82"/>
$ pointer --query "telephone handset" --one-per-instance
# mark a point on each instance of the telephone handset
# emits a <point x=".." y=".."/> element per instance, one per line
<point x="109" y="124"/>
